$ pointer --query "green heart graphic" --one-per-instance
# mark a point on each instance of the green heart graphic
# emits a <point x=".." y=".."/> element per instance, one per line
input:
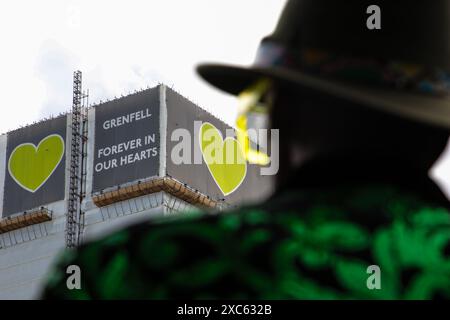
<point x="31" y="166"/>
<point x="224" y="158"/>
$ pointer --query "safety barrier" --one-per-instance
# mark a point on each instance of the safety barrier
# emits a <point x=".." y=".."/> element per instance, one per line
<point x="167" y="184"/>
<point x="26" y="219"/>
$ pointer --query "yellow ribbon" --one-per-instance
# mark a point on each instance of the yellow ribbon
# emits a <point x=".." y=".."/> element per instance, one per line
<point x="249" y="102"/>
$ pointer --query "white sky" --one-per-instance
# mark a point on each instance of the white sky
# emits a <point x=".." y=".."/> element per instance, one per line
<point x="122" y="46"/>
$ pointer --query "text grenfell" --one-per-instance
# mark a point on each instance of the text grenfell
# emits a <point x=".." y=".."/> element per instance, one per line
<point x="126" y="119"/>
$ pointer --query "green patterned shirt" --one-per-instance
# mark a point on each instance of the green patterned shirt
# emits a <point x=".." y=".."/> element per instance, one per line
<point x="317" y="243"/>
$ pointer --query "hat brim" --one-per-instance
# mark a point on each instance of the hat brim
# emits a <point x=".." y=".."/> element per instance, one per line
<point x="418" y="107"/>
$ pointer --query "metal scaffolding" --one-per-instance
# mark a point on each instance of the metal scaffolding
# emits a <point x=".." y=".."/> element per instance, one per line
<point x="75" y="216"/>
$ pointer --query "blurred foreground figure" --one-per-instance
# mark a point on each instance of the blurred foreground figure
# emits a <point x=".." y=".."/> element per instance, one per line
<point x="361" y="97"/>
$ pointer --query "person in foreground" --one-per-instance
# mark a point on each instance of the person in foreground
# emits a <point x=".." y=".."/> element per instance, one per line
<point x="363" y="114"/>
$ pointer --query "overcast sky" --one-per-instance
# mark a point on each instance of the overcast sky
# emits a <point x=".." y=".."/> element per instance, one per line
<point x="121" y="46"/>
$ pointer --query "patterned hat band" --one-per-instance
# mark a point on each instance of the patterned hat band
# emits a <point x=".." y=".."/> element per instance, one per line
<point x="369" y="71"/>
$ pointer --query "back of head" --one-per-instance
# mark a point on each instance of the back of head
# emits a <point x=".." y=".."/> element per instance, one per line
<point x="315" y="126"/>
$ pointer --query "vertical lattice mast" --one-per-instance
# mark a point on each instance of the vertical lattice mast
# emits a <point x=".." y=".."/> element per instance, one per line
<point x="74" y="215"/>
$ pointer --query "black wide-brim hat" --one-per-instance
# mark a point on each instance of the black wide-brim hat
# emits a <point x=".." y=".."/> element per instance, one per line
<point x="334" y="47"/>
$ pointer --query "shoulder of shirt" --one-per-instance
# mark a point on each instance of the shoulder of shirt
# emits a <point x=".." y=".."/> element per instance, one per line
<point x="262" y="213"/>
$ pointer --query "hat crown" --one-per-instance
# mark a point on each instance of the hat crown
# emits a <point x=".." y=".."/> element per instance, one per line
<point x="411" y="31"/>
